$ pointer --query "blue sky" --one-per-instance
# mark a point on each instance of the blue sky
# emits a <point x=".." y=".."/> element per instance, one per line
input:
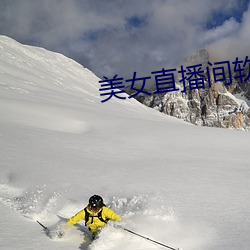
<point x="122" y="36"/>
<point x="218" y="16"/>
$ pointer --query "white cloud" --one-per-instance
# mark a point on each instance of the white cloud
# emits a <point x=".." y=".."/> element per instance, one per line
<point x="97" y="32"/>
<point x="235" y="43"/>
<point x="228" y="28"/>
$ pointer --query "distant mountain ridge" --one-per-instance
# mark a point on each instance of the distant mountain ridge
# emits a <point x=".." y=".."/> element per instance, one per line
<point x="215" y="106"/>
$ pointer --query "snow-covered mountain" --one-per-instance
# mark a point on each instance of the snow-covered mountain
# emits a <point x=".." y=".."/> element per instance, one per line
<point x="216" y="106"/>
<point x="179" y="184"/>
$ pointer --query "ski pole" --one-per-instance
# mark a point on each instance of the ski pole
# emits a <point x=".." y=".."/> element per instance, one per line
<point x="45" y="228"/>
<point x="146" y="238"/>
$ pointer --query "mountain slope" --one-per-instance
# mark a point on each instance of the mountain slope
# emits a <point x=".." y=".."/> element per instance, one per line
<point x="182" y="185"/>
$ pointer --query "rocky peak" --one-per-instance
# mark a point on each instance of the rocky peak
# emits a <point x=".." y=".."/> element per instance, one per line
<point x="214" y="106"/>
<point x="200" y="57"/>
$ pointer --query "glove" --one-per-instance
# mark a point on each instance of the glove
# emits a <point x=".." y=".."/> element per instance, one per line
<point x="60" y="234"/>
<point x="62" y="229"/>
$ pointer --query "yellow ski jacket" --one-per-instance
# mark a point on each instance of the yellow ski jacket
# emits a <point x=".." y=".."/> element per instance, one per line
<point x="94" y="223"/>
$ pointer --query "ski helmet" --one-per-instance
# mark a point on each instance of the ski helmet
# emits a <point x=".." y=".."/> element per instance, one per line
<point x="95" y="202"/>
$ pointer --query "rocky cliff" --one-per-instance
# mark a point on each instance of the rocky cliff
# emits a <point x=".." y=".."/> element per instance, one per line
<point x="215" y="106"/>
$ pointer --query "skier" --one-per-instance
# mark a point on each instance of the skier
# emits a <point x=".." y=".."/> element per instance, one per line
<point x="95" y="214"/>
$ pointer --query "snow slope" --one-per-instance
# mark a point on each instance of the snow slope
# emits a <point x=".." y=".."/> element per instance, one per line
<point x="176" y="183"/>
